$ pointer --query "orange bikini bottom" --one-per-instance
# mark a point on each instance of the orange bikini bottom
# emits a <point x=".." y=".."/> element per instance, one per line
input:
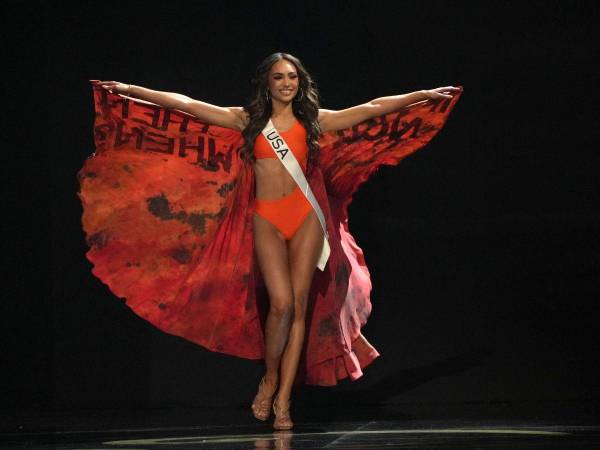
<point x="285" y="213"/>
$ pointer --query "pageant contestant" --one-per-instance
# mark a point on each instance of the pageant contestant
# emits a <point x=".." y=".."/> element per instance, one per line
<point x="228" y="226"/>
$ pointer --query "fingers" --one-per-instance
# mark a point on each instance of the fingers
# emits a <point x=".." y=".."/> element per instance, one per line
<point x="450" y="89"/>
<point x="447" y="89"/>
<point x="105" y="83"/>
<point x="111" y="86"/>
<point x="446" y="92"/>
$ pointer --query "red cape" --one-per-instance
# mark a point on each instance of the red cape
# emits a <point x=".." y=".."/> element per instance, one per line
<point x="167" y="212"/>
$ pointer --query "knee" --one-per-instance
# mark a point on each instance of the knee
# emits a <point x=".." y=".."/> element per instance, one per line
<point x="284" y="310"/>
<point x="300" y="302"/>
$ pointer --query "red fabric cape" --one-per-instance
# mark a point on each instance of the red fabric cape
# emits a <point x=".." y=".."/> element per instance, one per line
<point x="167" y="213"/>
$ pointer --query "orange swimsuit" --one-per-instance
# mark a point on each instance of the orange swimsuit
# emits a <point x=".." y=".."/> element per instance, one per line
<point x="286" y="213"/>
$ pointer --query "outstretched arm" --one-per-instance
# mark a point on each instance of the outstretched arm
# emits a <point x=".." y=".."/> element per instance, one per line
<point x="345" y="118"/>
<point x="229" y="117"/>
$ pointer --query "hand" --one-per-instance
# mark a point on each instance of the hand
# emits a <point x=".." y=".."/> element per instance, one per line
<point x="442" y="92"/>
<point x="114" y="86"/>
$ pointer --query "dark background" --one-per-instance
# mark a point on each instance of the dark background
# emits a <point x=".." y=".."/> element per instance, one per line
<point x="483" y="246"/>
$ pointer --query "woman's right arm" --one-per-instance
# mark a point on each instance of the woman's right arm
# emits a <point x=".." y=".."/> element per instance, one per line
<point x="230" y="117"/>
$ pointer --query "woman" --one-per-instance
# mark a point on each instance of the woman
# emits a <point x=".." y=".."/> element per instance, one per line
<point x="288" y="236"/>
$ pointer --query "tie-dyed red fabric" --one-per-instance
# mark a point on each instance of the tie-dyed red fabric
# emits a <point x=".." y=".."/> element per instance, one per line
<point x="167" y="213"/>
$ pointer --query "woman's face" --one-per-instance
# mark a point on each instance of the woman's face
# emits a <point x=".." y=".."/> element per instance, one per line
<point x="283" y="81"/>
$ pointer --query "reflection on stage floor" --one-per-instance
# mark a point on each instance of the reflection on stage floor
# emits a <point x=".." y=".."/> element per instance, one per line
<point x="411" y="426"/>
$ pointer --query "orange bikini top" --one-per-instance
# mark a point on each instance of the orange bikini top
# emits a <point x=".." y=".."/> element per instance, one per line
<point x="295" y="137"/>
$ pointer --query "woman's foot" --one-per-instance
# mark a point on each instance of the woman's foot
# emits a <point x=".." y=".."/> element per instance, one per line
<point x="261" y="406"/>
<point x="283" y="421"/>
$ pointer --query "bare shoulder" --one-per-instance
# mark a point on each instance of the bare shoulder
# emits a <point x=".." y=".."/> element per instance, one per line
<point x="323" y="113"/>
<point x="324" y="119"/>
<point x="241" y="116"/>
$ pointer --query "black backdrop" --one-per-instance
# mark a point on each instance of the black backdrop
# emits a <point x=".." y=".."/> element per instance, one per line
<point x="483" y="246"/>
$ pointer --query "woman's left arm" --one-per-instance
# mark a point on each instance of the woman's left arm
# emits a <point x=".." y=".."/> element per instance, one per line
<point x="345" y="118"/>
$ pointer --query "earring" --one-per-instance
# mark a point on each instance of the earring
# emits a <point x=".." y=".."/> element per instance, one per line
<point x="268" y="95"/>
<point x="299" y="95"/>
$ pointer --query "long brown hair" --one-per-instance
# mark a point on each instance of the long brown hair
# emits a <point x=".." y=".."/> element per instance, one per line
<point x="305" y="106"/>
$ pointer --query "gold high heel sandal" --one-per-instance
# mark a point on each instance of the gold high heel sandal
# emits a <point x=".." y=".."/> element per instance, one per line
<point x="261" y="406"/>
<point x="283" y="420"/>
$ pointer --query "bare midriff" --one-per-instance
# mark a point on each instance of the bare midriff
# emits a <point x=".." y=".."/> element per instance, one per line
<point x="273" y="181"/>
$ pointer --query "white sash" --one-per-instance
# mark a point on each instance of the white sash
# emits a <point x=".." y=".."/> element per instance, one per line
<point x="282" y="150"/>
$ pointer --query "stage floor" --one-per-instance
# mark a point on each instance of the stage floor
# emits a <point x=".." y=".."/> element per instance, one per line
<point x="560" y="426"/>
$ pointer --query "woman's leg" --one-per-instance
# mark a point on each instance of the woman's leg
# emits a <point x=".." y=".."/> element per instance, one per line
<point x="272" y="256"/>
<point x="304" y="251"/>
